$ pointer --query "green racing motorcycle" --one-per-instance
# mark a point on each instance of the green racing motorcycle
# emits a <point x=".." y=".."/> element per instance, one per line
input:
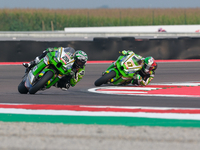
<point x="122" y="71"/>
<point x="48" y="71"/>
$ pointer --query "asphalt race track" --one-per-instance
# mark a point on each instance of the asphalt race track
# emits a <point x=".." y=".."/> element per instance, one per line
<point x="167" y="72"/>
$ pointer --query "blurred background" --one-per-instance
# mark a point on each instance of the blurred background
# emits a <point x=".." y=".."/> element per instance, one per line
<point x="162" y="29"/>
<point x="50" y="15"/>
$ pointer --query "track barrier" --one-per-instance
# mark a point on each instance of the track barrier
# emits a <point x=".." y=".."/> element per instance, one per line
<point x="106" y="48"/>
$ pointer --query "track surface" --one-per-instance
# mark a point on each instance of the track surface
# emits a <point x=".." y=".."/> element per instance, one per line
<point x="11" y="75"/>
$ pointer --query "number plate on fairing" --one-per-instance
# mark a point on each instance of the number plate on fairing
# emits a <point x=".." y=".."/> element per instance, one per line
<point x="131" y="67"/>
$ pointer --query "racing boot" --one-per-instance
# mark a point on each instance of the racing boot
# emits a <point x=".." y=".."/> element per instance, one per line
<point x="135" y="82"/>
<point x="31" y="64"/>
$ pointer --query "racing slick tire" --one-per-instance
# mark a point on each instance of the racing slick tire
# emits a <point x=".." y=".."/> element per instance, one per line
<point x="22" y="89"/>
<point x="105" y="78"/>
<point x="47" y="76"/>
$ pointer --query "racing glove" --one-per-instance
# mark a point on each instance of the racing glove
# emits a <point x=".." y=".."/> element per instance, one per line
<point x="49" y="50"/>
<point x="124" y="52"/>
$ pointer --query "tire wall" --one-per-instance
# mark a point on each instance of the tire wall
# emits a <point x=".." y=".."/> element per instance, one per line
<point x="106" y="48"/>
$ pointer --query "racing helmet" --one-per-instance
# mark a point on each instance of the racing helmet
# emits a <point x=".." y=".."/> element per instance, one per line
<point x="149" y="64"/>
<point x="80" y="58"/>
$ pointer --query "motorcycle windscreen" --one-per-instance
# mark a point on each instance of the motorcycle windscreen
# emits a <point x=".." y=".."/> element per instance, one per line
<point x="69" y="49"/>
<point x="66" y="55"/>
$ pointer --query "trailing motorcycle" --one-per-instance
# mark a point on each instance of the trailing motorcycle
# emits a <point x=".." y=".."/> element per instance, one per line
<point x="48" y="71"/>
<point x="122" y="71"/>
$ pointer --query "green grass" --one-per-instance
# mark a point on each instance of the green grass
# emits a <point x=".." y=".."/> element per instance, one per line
<point x="43" y="19"/>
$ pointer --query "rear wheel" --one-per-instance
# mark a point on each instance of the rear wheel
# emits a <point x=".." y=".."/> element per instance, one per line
<point x="22" y="89"/>
<point x="47" y="76"/>
<point x="104" y="79"/>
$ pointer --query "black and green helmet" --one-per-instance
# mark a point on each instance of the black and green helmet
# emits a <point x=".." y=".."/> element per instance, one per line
<point x="80" y="58"/>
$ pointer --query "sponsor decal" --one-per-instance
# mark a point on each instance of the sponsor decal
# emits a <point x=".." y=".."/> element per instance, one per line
<point x="168" y="90"/>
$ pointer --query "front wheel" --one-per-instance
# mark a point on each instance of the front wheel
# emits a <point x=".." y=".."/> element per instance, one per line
<point x="22" y="89"/>
<point x="47" y="76"/>
<point x="105" y="78"/>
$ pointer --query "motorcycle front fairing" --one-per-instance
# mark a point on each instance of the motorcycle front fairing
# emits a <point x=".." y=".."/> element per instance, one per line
<point x="130" y="65"/>
<point x="125" y="68"/>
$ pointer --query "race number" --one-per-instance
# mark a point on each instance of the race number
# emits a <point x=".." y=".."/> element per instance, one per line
<point x="129" y="64"/>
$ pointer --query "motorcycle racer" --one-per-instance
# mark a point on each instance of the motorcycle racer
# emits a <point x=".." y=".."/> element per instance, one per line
<point x="77" y="71"/>
<point x="146" y="74"/>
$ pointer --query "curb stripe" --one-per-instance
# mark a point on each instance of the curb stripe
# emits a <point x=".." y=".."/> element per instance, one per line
<point x="102" y="113"/>
<point x="127" y="121"/>
<point x="100" y="108"/>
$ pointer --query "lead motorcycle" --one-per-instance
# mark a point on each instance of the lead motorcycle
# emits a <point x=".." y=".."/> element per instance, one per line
<point x="122" y="72"/>
<point x="48" y="71"/>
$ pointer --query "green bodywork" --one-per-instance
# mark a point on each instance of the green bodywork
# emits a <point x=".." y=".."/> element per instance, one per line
<point x="62" y="64"/>
<point x="125" y="68"/>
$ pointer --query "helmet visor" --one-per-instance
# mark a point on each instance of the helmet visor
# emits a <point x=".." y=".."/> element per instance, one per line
<point x="80" y="63"/>
<point x="152" y="67"/>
